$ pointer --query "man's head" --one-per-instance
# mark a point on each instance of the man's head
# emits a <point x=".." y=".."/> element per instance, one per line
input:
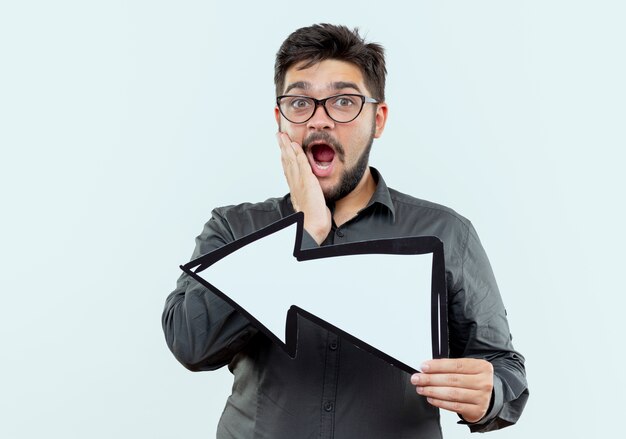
<point x="310" y="45"/>
<point x="322" y="61"/>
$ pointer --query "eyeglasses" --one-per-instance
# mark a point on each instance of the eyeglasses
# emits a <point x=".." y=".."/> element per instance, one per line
<point x="342" y="108"/>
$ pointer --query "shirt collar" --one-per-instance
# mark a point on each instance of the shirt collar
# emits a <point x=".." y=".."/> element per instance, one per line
<point x="381" y="194"/>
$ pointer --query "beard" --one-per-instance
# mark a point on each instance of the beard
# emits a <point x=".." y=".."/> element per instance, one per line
<point x="350" y="177"/>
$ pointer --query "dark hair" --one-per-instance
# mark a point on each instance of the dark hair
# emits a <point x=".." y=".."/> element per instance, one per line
<point x="320" y="42"/>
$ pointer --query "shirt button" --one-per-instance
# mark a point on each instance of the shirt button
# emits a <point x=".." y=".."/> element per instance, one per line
<point x="339" y="233"/>
<point x="328" y="407"/>
<point x="333" y="345"/>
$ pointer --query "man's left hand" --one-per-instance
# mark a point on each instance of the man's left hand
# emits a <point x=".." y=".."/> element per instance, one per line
<point x="461" y="385"/>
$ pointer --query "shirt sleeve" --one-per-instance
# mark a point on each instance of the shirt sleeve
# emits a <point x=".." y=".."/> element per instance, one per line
<point x="479" y="329"/>
<point x="202" y="330"/>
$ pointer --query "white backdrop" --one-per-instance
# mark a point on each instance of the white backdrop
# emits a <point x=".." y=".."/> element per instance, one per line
<point x="121" y="126"/>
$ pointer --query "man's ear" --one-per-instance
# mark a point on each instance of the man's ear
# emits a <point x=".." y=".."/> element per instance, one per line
<point x="277" y="116"/>
<point x="380" y="119"/>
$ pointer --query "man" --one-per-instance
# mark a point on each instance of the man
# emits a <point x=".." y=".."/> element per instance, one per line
<point x="330" y="107"/>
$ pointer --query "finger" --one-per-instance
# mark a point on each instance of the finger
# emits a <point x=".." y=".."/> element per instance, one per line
<point x="297" y="158"/>
<point x="297" y="150"/>
<point x="286" y="144"/>
<point x="292" y="155"/>
<point x="288" y="157"/>
<point x="302" y="160"/>
<point x="476" y="382"/>
<point x="470" y="412"/>
<point x="283" y="139"/>
<point x="451" y="394"/>
<point x="456" y="365"/>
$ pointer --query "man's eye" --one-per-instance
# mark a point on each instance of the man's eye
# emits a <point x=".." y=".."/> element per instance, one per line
<point x="300" y="104"/>
<point x="344" y="101"/>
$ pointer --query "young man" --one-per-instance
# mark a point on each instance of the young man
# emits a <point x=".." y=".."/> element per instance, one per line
<point x="330" y="107"/>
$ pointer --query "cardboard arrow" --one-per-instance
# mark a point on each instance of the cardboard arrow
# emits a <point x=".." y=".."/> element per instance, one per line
<point x="386" y="296"/>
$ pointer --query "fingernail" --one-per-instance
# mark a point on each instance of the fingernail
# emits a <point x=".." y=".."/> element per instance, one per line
<point x="420" y="390"/>
<point x="415" y="378"/>
<point x="425" y="367"/>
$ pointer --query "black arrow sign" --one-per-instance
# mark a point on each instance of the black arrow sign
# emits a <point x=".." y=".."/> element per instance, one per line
<point x="255" y="297"/>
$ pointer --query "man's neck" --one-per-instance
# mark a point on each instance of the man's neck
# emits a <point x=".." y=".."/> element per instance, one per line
<point x="351" y="204"/>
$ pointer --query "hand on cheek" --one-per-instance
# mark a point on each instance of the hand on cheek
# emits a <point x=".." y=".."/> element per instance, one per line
<point x="306" y="192"/>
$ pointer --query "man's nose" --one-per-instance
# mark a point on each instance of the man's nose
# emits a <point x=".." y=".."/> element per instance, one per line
<point x="320" y="120"/>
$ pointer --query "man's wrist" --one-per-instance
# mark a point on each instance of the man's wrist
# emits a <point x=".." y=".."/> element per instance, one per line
<point x="495" y="405"/>
<point x="318" y="234"/>
<point x="308" y="242"/>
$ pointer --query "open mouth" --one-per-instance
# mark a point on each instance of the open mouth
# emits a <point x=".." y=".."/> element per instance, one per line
<point x="323" y="152"/>
<point x="323" y="155"/>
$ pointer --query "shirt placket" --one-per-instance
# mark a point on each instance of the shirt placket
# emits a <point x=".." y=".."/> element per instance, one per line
<point x="329" y="392"/>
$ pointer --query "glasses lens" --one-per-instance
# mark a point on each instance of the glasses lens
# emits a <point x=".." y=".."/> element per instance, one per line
<point x="344" y="108"/>
<point x="297" y="109"/>
<point x="341" y="108"/>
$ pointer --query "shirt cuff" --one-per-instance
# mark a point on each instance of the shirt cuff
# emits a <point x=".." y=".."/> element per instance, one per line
<point x="495" y="406"/>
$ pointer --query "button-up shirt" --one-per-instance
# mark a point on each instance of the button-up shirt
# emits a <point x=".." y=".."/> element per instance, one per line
<point x="333" y="389"/>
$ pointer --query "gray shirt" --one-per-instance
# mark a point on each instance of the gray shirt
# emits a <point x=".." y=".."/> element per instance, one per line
<point x="333" y="389"/>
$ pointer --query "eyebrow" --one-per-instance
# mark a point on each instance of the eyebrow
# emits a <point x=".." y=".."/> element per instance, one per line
<point x="343" y="84"/>
<point x="300" y="84"/>
<point x="335" y="86"/>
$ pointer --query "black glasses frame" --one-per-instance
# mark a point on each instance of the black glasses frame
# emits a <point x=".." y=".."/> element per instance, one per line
<point x="322" y="103"/>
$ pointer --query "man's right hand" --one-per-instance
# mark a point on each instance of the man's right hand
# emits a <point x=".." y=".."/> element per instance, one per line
<point x="306" y="192"/>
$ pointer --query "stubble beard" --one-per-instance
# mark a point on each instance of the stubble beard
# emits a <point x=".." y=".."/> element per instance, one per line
<point x="350" y="177"/>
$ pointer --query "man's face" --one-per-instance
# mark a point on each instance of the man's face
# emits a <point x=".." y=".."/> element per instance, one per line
<point x="337" y="152"/>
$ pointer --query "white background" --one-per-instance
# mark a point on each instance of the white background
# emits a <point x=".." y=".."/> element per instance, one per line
<point x="122" y="123"/>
